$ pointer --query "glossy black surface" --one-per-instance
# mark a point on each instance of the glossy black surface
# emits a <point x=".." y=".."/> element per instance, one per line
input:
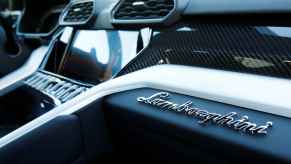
<point x="250" y="49"/>
<point x="96" y="56"/>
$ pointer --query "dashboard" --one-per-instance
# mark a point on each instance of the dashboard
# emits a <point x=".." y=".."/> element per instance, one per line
<point x="150" y="80"/>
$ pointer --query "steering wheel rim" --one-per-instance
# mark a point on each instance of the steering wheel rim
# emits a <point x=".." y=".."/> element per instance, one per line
<point x="9" y="44"/>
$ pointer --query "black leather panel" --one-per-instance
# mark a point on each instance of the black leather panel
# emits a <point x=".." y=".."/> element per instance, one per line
<point x="140" y="130"/>
<point x="95" y="135"/>
<point x="57" y="142"/>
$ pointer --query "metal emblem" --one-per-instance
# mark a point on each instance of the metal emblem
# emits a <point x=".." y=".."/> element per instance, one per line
<point x="230" y="120"/>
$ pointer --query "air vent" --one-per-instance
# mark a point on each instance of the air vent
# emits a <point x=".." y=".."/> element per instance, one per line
<point x="144" y="9"/>
<point x="61" y="90"/>
<point x="78" y="12"/>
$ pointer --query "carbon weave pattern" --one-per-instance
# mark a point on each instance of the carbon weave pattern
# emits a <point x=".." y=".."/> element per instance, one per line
<point x="239" y="48"/>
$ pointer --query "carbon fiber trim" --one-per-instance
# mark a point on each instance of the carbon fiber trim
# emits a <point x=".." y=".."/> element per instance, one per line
<point x="239" y="48"/>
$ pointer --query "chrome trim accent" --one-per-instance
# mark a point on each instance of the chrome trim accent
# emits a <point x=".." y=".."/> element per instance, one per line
<point x="61" y="89"/>
<point x="260" y="93"/>
<point x="138" y="3"/>
<point x="162" y="101"/>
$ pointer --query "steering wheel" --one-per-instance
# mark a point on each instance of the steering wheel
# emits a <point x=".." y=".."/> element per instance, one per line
<point x="13" y="52"/>
<point x="8" y="43"/>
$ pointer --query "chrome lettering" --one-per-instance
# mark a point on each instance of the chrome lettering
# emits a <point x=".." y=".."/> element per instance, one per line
<point x="231" y="119"/>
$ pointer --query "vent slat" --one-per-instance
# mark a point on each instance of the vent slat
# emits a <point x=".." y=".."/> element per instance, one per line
<point x="79" y="12"/>
<point x="144" y="9"/>
<point x="61" y="89"/>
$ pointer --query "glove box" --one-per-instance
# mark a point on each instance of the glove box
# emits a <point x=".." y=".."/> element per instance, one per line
<point x="147" y="132"/>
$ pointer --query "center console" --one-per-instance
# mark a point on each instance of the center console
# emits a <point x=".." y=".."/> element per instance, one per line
<point x="74" y="62"/>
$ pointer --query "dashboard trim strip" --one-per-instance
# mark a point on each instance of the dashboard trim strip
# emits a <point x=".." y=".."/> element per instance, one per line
<point x="265" y="94"/>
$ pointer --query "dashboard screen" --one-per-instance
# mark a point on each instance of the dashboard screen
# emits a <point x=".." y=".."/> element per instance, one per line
<point x="97" y="55"/>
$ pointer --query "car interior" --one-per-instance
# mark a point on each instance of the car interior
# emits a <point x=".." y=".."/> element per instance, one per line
<point x="97" y="81"/>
